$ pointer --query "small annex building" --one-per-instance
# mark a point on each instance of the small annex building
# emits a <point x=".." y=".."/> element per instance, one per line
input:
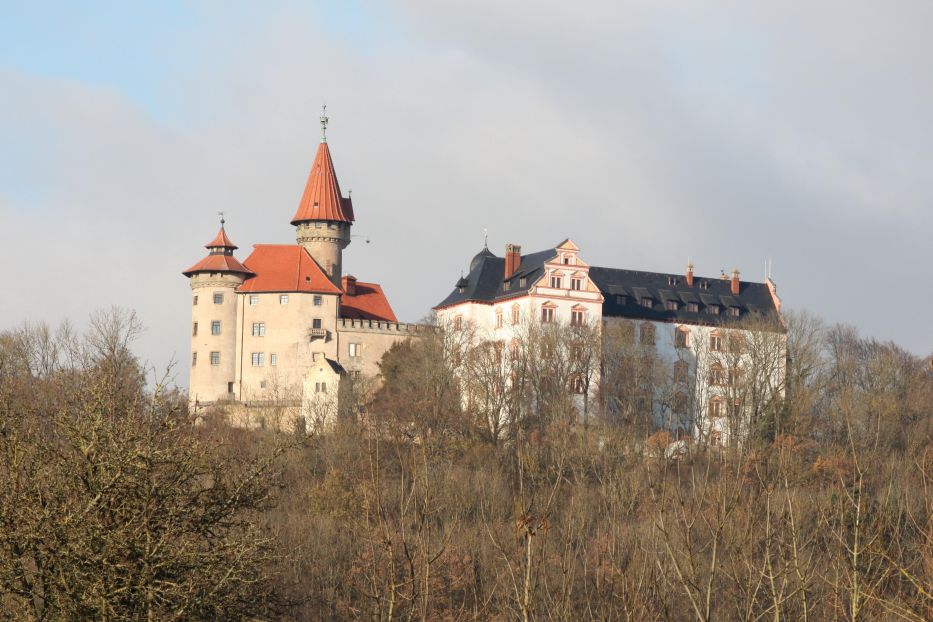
<point x="277" y="333"/>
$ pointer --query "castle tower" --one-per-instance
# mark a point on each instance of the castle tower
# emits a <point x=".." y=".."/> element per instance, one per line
<point x="324" y="215"/>
<point x="214" y="280"/>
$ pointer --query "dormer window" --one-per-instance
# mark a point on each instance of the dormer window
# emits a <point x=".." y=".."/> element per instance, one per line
<point x="733" y="311"/>
<point x="670" y="305"/>
<point x="522" y="282"/>
<point x="713" y="309"/>
<point x="647" y="302"/>
<point x="576" y="283"/>
<point x="620" y="300"/>
<point x="693" y="307"/>
<point x="556" y="281"/>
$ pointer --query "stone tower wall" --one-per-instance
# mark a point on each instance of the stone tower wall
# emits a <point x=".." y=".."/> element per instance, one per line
<point x="210" y="383"/>
<point x="325" y="241"/>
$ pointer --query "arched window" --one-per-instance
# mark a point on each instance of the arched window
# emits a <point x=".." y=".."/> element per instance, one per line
<point x="647" y="334"/>
<point x="717" y="375"/>
<point x="681" y="337"/>
<point x="498" y="318"/>
<point x="516" y="314"/>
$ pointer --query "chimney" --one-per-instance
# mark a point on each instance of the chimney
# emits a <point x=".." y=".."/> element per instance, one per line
<point x="689" y="274"/>
<point x="735" y="282"/>
<point x="349" y="285"/>
<point x="513" y="258"/>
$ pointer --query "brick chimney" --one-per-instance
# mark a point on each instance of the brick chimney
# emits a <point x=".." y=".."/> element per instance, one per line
<point x="513" y="258"/>
<point x="689" y="274"/>
<point x="734" y="284"/>
<point x="349" y="285"/>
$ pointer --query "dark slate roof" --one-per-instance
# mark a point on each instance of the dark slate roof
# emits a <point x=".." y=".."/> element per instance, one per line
<point x="485" y="284"/>
<point x="634" y="285"/>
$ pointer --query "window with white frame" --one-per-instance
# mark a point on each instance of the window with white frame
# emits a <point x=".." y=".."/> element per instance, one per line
<point x="218" y="299"/>
<point x="556" y="281"/>
<point x="578" y="384"/>
<point x="316" y="322"/>
<point x="320" y="387"/>
<point x="259" y="329"/>
<point x="715" y="342"/>
<point x="355" y="350"/>
<point x="715" y="407"/>
<point x="273" y="359"/>
<point x="516" y="314"/>
<point x="548" y="314"/>
<point x="681" y="337"/>
<point x="259" y="359"/>
<point x="318" y="301"/>
<point x="215" y="358"/>
<point x="498" y="318"/>
<point x="577" y="317"/>
<point x="253" y="299"/>
<point x="283" y="299"/>
<point x="215" y="327"/>
<point x="576" y="283"/>
<point x="458" y="322"/>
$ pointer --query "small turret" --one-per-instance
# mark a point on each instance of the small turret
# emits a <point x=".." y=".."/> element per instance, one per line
<point x="324" y="215"/>
<point x="214" y="280"/>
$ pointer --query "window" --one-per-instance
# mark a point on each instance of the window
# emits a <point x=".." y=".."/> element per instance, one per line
<point x="355" y="350"/>
<point x="316" y="323"/>
<point x="318" y="301"/>
<point x="736" y="409"/>
<point x="229" y="387"/>
<point x="556" y="282"/>
<point x="717" y="375"/>
<point x="259" y="329"/>
<point x="547" y="314"/>
<point x="458" y="322"/>
<point x="320" y="387"/>
<point x="713" y="309"/>
<point x="507" y="286"/>
<point x="516" y="314"/>
<point x="218" y="299"/>
<point x="715" y="438"/>
<point x="215" y="327"/>
<point x="259" y="359"/>
<point x="498" y="318"/>
<point x="647" y="302"/>
<point x="513" y="349"/>
<point x="647" y="334"/>
<point x="578" y="385"/>
<point x="355" y="374"/>
<point x="680" y="403"/>
<point x="194" y="301"/>
<point x="681" y="337"/>
<point x="681" y="371"/>
<point x="194" y="329"/>
<point x="736" y="376"/>
<point x="253" y="299"/>
<point x="715" y="408"/>
<point x="262" y="384"/>
<point x="566" y="260"/>
<point x="670" y="305"/>
<point x="577" y="317"/>
<point x="715" y="342"/>
<point x="283" y="299"/>
<point x="194" y="359"/>
<point x="736" y="343"/>
<point x="522" y="282"/>
<point x="272" y="359"/>
<point x="215" y="358"/>
<point x="693" y="307"/>
<point x="620" y="300"/>
<point x="576" y="283"/>
<point x="733" y="311"/>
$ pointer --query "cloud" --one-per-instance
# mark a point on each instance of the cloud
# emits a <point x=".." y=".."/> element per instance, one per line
<point x="647" y="132"/>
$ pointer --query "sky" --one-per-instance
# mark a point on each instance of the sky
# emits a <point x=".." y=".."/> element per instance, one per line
<point x="730" y="133"/>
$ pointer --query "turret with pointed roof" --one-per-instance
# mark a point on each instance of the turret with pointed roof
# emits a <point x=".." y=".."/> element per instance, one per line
<point x="324" y="215"/>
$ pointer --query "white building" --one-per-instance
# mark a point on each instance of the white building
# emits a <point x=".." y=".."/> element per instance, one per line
<point x="717" y="347"/>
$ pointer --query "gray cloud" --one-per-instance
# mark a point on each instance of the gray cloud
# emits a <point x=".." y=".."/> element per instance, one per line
<point x="647" y="132"/>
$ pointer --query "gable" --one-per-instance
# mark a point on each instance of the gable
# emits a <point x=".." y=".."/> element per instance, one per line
<point x="285" y="268"/>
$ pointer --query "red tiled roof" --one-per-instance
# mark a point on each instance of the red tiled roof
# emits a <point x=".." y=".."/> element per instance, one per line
<point x="218" y="263"/>
<point x="285" y="268"/>
<point x="221" y="241"/>
<point x="368" y="303"/>
<point x="322" y="199"/>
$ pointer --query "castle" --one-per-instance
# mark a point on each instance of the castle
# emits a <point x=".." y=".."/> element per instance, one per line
<point x="285" y="325"/>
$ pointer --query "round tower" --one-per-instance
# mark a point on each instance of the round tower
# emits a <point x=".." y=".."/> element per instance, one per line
<point x="324" y="215"/>
<point x="214" y="280"/>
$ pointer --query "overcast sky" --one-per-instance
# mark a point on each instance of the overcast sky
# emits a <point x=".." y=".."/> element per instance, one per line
<point x="648" y="132"/>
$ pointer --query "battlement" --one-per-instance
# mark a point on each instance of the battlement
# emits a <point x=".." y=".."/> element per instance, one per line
<point x="379" y="326"/>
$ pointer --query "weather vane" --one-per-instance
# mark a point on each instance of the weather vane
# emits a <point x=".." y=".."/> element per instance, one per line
<point x="485" y="238"/>
<point x="222" y="221"/>
<point x="324" y="120"/>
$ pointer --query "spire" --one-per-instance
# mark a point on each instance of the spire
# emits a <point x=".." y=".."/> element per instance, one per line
<point x="322" y="199"/>
<point x="324" y="121"/>
<point x="221" y="240"/>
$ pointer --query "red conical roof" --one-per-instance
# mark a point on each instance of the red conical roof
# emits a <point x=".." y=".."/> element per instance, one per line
<point x="221" y="241"/>
<point x="322" y="199"/>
